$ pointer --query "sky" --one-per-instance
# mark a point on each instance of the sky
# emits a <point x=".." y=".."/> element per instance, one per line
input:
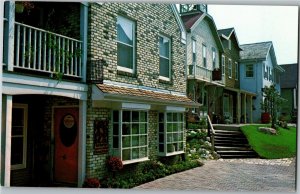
<point x="278" y="24"/>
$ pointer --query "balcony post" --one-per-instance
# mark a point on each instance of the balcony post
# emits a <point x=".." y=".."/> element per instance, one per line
<point x="83" y="35"/>
<point x="9" y="32"/>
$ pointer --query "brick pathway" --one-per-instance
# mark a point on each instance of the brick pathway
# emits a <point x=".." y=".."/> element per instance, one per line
<point x="232" y="175"/>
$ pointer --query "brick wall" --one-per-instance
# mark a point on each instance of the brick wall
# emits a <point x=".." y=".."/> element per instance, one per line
<point x="151" y="20"/>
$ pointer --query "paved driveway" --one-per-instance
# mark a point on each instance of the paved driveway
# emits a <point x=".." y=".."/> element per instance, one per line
<point x="232" y="175"/>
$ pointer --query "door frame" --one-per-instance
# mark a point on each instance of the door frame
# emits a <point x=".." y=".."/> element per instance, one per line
<point x="52" y="150"/>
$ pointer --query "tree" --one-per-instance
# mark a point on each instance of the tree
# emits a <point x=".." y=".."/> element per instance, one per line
<point x="272" y="102"/>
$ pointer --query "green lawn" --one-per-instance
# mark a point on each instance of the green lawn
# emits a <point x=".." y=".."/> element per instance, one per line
<point x="268" y="146"/>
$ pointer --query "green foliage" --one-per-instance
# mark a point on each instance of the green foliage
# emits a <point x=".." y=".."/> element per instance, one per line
<point x="146" y="171"/>
<point x="268" y="146"/>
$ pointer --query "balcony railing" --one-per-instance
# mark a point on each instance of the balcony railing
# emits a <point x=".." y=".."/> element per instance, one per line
<point x="199" y="72"/>
<point x="43" y="51"/>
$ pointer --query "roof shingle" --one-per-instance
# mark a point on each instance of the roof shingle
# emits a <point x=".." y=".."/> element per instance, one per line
<point x="255" y="50"/>
<point x="151" y="95"/>
<point x="226" y="31"/>
<point x="190" y="20"/>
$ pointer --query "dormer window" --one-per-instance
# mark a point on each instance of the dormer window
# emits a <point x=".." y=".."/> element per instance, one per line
<point x="229" y="44"/>
<point x="191" y="8"/>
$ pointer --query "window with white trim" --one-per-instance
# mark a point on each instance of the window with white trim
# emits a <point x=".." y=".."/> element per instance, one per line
<point x="214" y="58"/>
<point x="164" y="58"/>
<point x="130" y="135"/>
<point x="170" y="133"/>
<point x="194" y="50"/>
<point x="125" y="44"/>
<point x="249" y="72"/>
<point x="229" y="68"/>
<point x="204" y="55"/>
<point x="223" y="65"/>
<point x="19" y="136"/>
<point x="236" y="70"/>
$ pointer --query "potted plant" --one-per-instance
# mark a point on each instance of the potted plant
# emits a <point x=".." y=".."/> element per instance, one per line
<point x="21" y="5"/>
<point x="217" y="74"/>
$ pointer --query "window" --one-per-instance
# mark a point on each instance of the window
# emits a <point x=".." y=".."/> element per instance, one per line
<point x="265" y="71"/>
<point x="130" y="139"/>
<point x="204" y="55"/>
<point x="126" y="42"/>
<point x="214" y="58"/>
<point x="223" y="65"/>
<point x="170" y="133"/>
<point x="194" y="50"/>
<point x="19" y="136"/>
<point x="164" y="58"/>
<point x="271" y="74"/>
<point x="229" y="44"/>
<point x="229" y="68"/>
<point x="236" y="71"/>
<point x="249" y="70"/>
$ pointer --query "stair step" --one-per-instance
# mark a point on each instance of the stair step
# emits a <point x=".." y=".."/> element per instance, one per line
<point x="229" y="131"/>
<point x="233" y="148"/>
<point x="232" y="152"/>
<point x="239" y="156"/>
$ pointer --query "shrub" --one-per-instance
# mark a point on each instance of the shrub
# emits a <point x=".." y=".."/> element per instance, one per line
<point x="91" y="183"/>
<point x="114" y="163"/>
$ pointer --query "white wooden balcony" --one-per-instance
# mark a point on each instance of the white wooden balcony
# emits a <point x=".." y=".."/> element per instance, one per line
<point x="37" y="50"/>
<point x="201" y="73"/>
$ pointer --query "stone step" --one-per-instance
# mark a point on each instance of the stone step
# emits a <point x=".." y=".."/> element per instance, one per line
<point x="233" y="148"/>
<point x="238" y="156"/>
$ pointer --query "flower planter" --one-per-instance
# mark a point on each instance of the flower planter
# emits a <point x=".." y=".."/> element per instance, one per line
<point x="265" y="117"/>
<point x="216" y="75"/>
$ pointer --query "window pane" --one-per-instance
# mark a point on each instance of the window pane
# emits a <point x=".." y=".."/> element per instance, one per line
<point x="126" y="155"/>
<point x="143" y="116"/>
<point x="17" y="117"/>
<point x="126" y="142"/>
<point x="161" y="127"/>
<point x="125" y="30"/>
<point x="126" y="116"/>
<point x="175" y="127"/>
<point x="161" y="138"/>
<point x="17" y="130"/>
<point x="143" y="128"/>
<point x="135" y="153"/>
<point x="169" y="137"/>
<point x="164" y="67"/>
<point x="170" y="148"/>
<point x="126" y="129"/>
<point x="115" y="116"/>
<point x="115" y="142"/>
<point x="169" y="127"/>
<point x="143" y="140"/>
<point x="161" y="147"/>
<point x="161" y="117"/>
<point x="180" y="137"/>
<point x="135" y="116"/>
<point x="116" y="129"/>
<point x="169" y="117"/>
<point x="125" y="56"/>
<point x="16" y="150"/>
<point x="135" y="128"/>
<point x="175" y="137"/>
<point x="175" y="117"/>
<point x="164" y="47"/>
<point x="135" y="141"/>
<point x="180" y="116"/>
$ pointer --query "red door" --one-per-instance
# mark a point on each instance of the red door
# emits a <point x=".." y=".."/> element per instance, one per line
<point x="66" y="145"/>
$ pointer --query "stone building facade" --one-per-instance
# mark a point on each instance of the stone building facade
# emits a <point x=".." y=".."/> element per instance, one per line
<point x="138" y="96"/>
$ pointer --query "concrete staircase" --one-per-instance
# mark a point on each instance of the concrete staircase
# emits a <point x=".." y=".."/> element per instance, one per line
<point x="230" y="142"/>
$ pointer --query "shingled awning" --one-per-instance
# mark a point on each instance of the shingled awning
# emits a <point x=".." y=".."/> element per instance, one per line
<point x="137" y="94"/>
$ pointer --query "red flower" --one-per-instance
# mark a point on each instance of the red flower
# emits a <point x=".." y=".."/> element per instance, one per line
<point x="91" y="183"/>
<point x="114" y="163"/>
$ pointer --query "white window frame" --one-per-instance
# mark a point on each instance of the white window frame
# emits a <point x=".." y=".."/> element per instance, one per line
<point x="160" y="76"/>
<point x="121" y="68"/>
<point x="165" y="134"/>
<point x="246" y="70"/>
<point x="25" y="117"/>
<point x="223" y="65"/>
<point x="236" y="70"/>
<point x="204" y="55"/>
<point x="194" y="55"/>
<point x="229" y="68"/>
<point x="118" y="152"/>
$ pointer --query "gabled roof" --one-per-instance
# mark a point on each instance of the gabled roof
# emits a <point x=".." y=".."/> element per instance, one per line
<point x="226" y="34"/>
<point x="192" y="20"/>
<point x="255" y="51"/>
<point x="290" y="77"/>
